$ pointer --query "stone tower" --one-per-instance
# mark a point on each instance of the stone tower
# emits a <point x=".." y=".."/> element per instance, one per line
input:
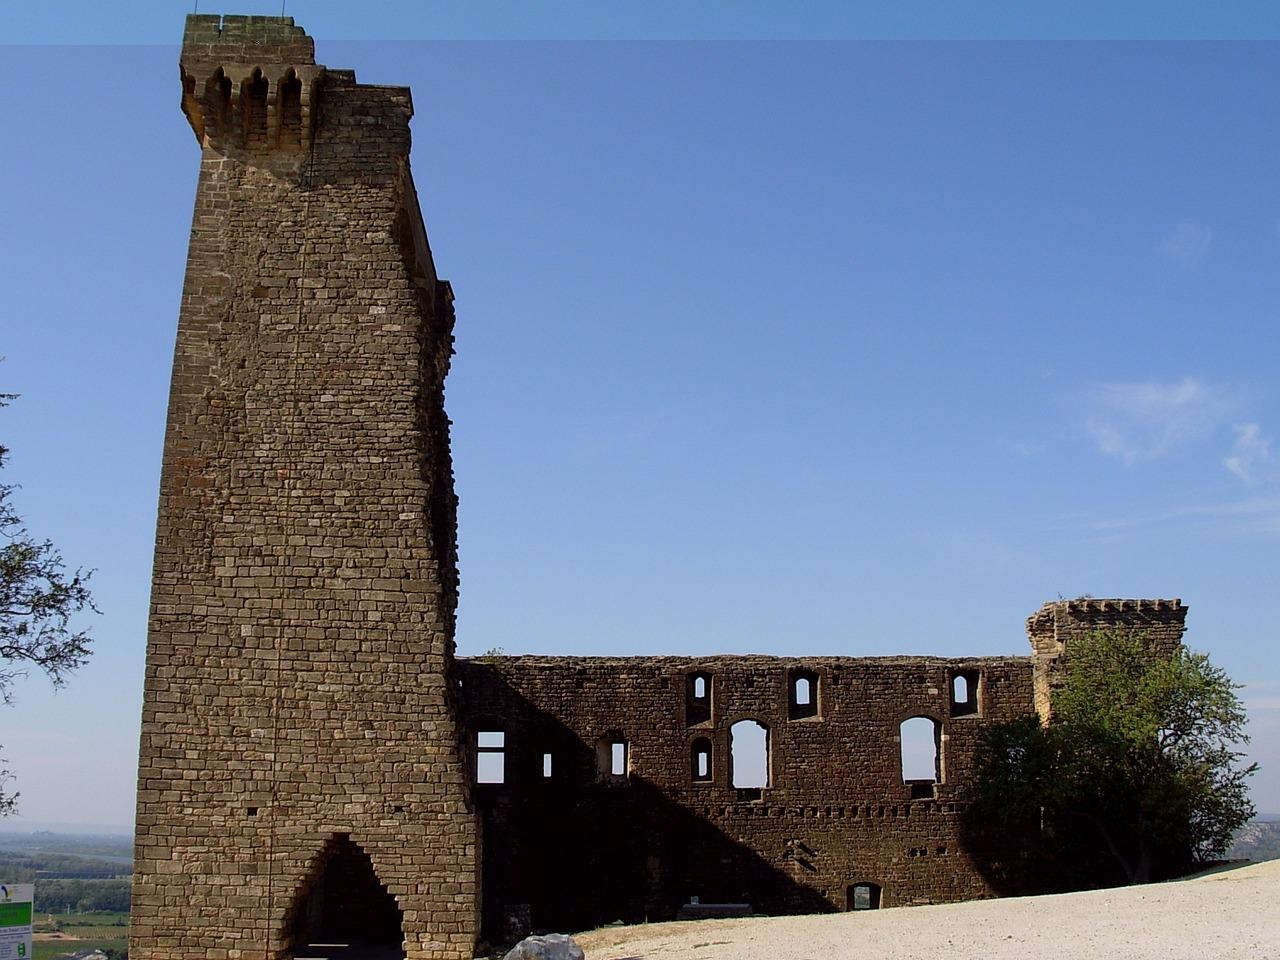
<point x="300" y="776"/>
<point x="1051" y="629"/>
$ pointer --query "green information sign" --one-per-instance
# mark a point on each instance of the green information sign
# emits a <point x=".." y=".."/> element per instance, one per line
<point x="15" y="920"/>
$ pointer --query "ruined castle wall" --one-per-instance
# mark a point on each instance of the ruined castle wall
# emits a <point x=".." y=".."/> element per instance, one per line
<point x="304" y="589"/>
<point x="1052" y="628"/>
<point x="584" y="847"/>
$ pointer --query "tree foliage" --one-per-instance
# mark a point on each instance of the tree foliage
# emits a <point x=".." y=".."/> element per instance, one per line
<point x="38" y="599"/>
<point x="1137" y="777"/>
<point x="81" y="896"/>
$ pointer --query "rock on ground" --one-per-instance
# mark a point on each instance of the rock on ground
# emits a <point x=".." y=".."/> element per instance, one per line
<point x="553" y="946"/>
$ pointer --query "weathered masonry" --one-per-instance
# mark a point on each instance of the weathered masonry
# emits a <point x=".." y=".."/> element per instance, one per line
<point x="620" y="788"/>
<point x="301" y="776"/>
<point x="315" y="765"/>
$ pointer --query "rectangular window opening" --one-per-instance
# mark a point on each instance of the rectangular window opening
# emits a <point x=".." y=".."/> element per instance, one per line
<point x="546" y="766"/>
<point x="618" y="758"/>
<point x="491" y="757"/>
<point x="490" y="768"/>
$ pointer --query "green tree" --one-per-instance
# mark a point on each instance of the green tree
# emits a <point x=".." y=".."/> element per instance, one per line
<point x="1138" y="775"/>
<point x="38" y="599"/>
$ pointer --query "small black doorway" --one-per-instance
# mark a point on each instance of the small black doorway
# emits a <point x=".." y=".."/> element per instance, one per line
<point x="863" y="896"/>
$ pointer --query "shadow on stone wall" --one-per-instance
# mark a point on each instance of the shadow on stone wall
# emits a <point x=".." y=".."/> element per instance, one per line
<point x="579" y="850"/>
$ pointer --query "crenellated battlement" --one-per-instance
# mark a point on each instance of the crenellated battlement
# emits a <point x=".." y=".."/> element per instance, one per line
<point x="249" y="83"/>
<point x="1051" y="628"/>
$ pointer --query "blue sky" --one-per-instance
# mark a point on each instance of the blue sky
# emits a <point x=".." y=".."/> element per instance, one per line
<point x="867" y="339"/>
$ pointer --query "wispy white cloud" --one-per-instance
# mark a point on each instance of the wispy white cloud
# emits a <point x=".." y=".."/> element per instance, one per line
<point x="1144" y="421"/>
<point x="1250" y="453"/>
<point x="1254" y="515"/>
<point x="1187" y="243"/>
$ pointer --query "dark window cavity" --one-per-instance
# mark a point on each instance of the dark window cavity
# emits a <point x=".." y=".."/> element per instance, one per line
<point x="697" y="706"/>
<point x="700" y="760"/>
<point x="965" y="686"/>
<point x="613" y="756"/>
<point x="802" y="694"/>
<point x="864" y="896"/>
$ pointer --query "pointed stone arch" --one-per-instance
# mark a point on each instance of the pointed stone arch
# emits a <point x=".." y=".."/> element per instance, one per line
<point x="341" y="900"/>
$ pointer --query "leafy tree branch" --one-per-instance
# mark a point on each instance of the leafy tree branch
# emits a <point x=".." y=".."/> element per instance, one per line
<point x="38" y="599"/>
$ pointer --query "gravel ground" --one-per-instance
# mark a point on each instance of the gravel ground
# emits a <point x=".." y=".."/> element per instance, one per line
<point x="1227" y="914"/>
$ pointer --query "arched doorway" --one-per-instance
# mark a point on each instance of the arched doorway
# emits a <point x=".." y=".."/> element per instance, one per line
<point x="342" y="903"/>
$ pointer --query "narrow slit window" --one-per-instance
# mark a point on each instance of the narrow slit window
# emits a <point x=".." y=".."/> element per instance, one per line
<point x="802" y="694"/>
<point x="618" y="758"/>
<point x="701" y="760"/>
<point x="965" y="687"/>
<point x="697" y="706"/>
<point x="546" y="766"/>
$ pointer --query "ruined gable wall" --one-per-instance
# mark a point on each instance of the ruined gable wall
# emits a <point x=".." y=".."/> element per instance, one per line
<point x="583" y="847"/>
<point x="304" y="589"/>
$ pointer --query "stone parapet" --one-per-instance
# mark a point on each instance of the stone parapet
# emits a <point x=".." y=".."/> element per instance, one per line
<point x="1051" y="628"/>
<point x="249" y="83"/>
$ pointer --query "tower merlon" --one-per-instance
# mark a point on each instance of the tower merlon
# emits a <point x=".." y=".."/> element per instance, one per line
<point x="249" y="83"/>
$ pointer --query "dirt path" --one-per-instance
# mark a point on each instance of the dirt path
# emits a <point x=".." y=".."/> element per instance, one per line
<point x="1220" y="916"/>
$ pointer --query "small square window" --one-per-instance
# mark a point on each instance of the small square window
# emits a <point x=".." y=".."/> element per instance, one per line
<point x="491" y="768"/>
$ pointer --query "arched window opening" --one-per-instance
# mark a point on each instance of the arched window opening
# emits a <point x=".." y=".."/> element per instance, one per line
<point x="802" y="694"/>
<point x="965" y="685"/>
<point x="291" y="111"/>
<point x="341" y="901"/>
<point x="920" y="743"/>
<point x="491" y="756"/>
<point x="749" y="755"/>
<point x="863" y="896"/>
<point x="701" y="760"/>
<point x="253" y="110"/>
<point x="697" y="700"/>
<point x="217" y="102"/>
